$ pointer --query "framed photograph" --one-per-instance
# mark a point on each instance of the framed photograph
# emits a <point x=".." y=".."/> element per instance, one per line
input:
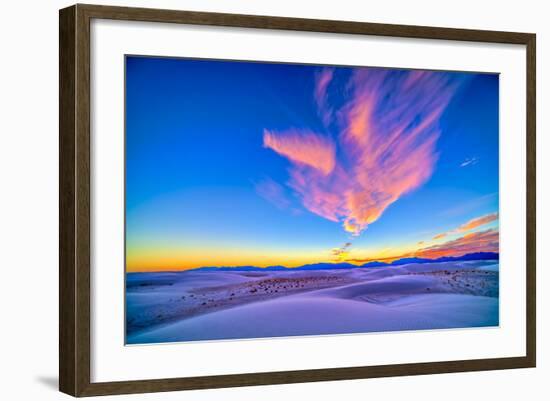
<point x="250" y="200"/>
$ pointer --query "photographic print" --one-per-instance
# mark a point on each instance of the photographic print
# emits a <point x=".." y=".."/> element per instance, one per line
<point x="277" y="199"/>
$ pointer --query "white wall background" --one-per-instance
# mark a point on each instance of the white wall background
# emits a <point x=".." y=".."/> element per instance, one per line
<point x="29" y="185"/>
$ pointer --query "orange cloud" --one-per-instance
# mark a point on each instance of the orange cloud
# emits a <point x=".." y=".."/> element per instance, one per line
<point x="474" y="223"/>
<point x="385" y="143"/>
<point x="470" y="225"/>
<point x="482" y="241"/>
<point x="304" y="148"/>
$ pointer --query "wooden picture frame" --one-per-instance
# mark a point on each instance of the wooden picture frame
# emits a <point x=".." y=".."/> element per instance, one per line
<point x="74" y="203"/>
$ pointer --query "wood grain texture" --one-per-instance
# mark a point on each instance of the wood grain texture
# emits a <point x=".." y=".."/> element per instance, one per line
<point x="67" y="295"/>
<point x="301" y="24"/>
<point x="301" y="376"/>
<point x="74" y="199"/>
<point x="531" y="229"/>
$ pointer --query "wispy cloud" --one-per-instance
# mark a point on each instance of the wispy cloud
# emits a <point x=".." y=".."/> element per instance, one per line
<point x="469" y="162"/>
<point x="273" y="193"/>
<point x="477" y="222"/>
<point x="471" y="205"/>
<point x="384" y="147"/>
<point x="481" y="241"/>
<point x="341" y="253"/>
<point x="470" y="225"/>
<point x="304" y="148"/>
<point x="323" y="79"/>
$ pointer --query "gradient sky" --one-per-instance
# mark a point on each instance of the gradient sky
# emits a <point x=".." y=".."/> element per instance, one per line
<point x="240" y="163"/>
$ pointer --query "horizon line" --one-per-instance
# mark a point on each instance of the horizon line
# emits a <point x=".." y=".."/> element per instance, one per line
<point x="345" y="262"/>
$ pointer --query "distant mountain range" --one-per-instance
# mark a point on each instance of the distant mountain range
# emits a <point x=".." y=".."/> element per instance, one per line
<point x="330" y="266"/>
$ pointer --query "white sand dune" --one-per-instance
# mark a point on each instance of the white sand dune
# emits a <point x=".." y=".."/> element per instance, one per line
<point x="389" y="285"/>
<point x="306" y="315"/>
<point x="492" y="267"/>
<point x="232" y="305"/>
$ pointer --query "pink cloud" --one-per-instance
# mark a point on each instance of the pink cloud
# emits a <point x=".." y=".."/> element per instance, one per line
<point x="322" y="81"/>
<point x="385" y="144"/>
<point x="303" y="148"/>
<point x="481" y="241"/>
<point x="479" y="221"/>
<point x="470" y="225"/>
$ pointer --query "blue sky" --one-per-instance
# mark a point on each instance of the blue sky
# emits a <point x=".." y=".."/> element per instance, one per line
<point x="217" y="153"/>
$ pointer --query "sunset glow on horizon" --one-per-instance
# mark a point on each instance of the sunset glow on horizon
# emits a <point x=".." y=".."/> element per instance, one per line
<point x="177" y="258"/>
<point x="258" y="164"/>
